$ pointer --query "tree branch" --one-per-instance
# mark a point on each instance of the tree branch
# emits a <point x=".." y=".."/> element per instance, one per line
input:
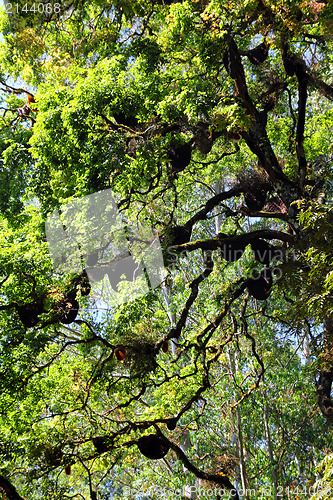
<point x="219" y="479"/>
<point x="9" y="489"/>
<point x="246" y="238"/>
<point x="256" y="136"/>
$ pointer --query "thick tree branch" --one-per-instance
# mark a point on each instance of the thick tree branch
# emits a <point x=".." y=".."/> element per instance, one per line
<point x="266" y="215"/>
<point x="256" y="136"/>
<point x="294" y="65"/>
<point x="219" y="479"/>
<point x="324" y="89"/>
<point x="302" y="163"/>
<point x="10" y="490"/>
<point x="246" y="238"/>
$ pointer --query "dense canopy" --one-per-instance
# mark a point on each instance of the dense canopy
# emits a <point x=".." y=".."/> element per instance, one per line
<point x="210" y="122"/>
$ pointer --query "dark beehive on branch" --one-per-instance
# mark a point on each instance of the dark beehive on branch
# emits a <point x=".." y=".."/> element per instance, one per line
<point x="174" y="235"/>
<point x="179" y="156"/>
<point x="153" y="447"/>
<point x="231" y="251"/>
<point x="171" y="424"/>
<point x="102" y="443"/>
<point x="203" y="139"/>
<point x="28" y="313"/>
<point x="260" y="288"/>
<point x="263" y="252"/>
<point x="255" y="198"/>
<point x="125" y="119"/>
<point x="69" y="310"/>
<point x="165" y="346"/>
<point x="179" y="235"/>
<point x="259" y="54"/>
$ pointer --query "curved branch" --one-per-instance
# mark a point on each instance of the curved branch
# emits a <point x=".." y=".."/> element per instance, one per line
<point x="256" y="136"/>
<point x="219" y="479"/>
<point x="322" y="87"/>
<point x="212" y="203"/>
<point x="10" y="490"/>
<point x="175" y="332"/>
<point x="268" y="215"/>
<point x="222" y="239"/>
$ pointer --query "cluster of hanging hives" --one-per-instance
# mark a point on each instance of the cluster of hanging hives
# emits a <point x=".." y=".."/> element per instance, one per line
<point x="179" y="149"/>
<point x="141" y="354"/>
<point x="179" y="155"/>
<point x="63" y="310"/>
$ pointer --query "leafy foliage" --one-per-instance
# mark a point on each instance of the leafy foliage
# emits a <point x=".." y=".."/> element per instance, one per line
<point x="211" y="122"/>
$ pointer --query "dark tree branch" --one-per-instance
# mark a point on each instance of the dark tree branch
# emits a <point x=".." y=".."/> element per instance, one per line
<point x="13" y="90"/>
<point x="9" y="489"/>
<point x="212" y="203"/>
<point x="294" y="65"/>
<point x="268" y="215"/>
<point x="323" y="88"/>
<point x="302" y="163"/>
<point x="256" y="136"/>
<point x="211" y="327"/>
<point x="233" y="64"/>
<point x="221" y="480"/>
<point x="246" y="238"/>
<point x="194" y="286"/>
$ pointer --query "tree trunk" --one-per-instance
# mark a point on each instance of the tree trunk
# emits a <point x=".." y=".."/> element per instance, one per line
<point x="189" y="490"/>
<point x="269" y="444"/>
<point x="170" y="313"/>
<point x="233" y="367"/>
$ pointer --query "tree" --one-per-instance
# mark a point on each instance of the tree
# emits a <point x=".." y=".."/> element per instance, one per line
<point x="211" y="123"/>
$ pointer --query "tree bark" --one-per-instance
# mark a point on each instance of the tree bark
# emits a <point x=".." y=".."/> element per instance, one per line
<point x="233" y="367"/>
<point x="171" y="315"/>
<point x="269" y="444"/>
<point x="9" y="489"/>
